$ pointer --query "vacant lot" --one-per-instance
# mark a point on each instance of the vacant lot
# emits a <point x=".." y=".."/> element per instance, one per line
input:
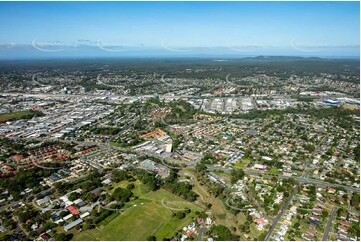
<point x="5" y="117"/>
<point x="151" y="214"/>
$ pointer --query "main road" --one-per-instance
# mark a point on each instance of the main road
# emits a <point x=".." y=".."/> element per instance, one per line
<point x="300" y="179"/>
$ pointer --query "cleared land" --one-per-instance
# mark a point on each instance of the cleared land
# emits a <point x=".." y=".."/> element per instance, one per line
<point x="5" y="117"/>
<point x="151" y="214"/>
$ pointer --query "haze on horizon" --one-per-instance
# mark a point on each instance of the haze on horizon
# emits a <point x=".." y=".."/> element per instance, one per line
<point x="178" y="29"/>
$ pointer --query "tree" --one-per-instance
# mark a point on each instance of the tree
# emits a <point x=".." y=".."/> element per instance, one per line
<point x="276" y="206"/>
<point x="180" y="215"/>
<point x="236" y="174"/>
<point x="118" y="176"/>
<point x="309" y="147"/>
<point x="355" y="200"/>
<point x="61" y="237"/>
<point x="73" y="196"/>
<point x="280" y="189"/>
<point x="151" y="238"/>
<point x="49" y="225"/>
<point x="223" y="233"/>
<point x="201" y="167"/>
<point x="354" y="229"/>
<point x="296" y="225"/>
<point x="130" y="186"/>
<point x="356" y="152"/>
<point x="87" y="226"/>
<point x="122" y="195"/>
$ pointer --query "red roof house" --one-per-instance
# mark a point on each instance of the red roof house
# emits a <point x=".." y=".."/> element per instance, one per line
<point x="73" y="210"/>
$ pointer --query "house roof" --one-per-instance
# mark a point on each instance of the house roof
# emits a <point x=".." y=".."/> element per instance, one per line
<point x="73" y="224"/>
<point x="73" y="210"/>
<point x="45" y="236"/>
<point x="260" y="221"/>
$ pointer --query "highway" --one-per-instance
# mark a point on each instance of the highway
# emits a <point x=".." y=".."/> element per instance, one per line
<point x="112" y="97"/>
<point x="89" y="96"/>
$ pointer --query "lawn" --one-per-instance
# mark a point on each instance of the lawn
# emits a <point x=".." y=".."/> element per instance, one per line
<point x="239" y="164"/>
<point x="223" y="216"/>
<point x="149" y="215"/>
<point x="181" y="108"/>
<point x="139" y="189"/>
<point x="243" y="162"/>
<point x="255" y="233"/>
<point x="4" y="117"/>
<point x="122" y="184"/>
<point x="274" y="171"/>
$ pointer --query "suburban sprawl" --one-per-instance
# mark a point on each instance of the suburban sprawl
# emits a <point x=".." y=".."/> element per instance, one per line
<point x="240" y="149"/>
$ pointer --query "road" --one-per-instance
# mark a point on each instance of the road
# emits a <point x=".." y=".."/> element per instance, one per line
<point x="202" y="230"/>
<point x="300" y="179"/>
<point x="10" y="204"/>
<point x="96" y="96"/>
<point x="258" y="206"/>
<point x="329" y="224"/>
<point x="23" y="199"/>
<point x="280" y="213"/>
<point x="22" y="229"/>
<point x="93" y="96"/>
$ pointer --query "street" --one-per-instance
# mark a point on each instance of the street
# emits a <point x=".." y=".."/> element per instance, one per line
<point x="329" y="224"/>
<point x="280" y="213"/>
<point x="300" y="179"/>
<point x="202" y="230"/>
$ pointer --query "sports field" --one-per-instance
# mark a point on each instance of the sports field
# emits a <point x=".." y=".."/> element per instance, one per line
<point x="151" y="214"/>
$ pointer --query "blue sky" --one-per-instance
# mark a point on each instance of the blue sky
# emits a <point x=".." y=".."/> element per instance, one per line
<point x="179" y="28"/>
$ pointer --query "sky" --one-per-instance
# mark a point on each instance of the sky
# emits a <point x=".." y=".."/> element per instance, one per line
<point x="62" y="29"/>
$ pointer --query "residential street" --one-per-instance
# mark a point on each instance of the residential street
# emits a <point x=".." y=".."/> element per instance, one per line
<point x="329" y="224"/>
<point x="202" y="230"/>
<point x="259" y="207"/>
<point x="280" y="213"/>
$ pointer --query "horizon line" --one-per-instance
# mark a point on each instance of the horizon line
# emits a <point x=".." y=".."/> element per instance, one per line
<point x="195" y="56"/>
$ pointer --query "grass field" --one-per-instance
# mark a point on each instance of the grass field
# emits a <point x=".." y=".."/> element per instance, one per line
<point x="218" y="209"/>
<point x="151" y="214"/>
<point x="350" y="107"/>
<point x="5" y="117"/>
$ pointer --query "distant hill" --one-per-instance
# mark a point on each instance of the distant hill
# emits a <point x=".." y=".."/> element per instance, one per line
<point x="288" y="58"/>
